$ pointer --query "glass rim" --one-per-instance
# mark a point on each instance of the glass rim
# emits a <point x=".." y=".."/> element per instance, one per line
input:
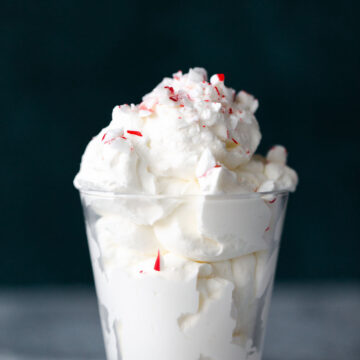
<point x="224" y="196"/>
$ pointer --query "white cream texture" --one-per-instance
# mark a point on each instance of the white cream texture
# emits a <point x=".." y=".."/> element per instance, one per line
<point x="188" y="136"/>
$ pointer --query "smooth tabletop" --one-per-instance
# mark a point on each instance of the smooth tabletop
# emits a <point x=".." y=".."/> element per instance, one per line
<point x="307" y="322"/>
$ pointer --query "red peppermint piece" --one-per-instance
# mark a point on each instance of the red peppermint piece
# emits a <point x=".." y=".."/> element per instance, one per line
<point x="144" y="107"/>
<point x="267" y="229"/>
<point x="234" y="141"/>
<point x="157" y="262"/>
<point x="272" y="201"/>
<point x="103" y="137"/>
<point x="171" y="89"/>
<point x="217" y="90"/>
<point x="217" y="166"/>
<point x="247" y="152"/>
<point x="230" y="111"/>
<point x="203" y="126"/>
<point x="141" y="271"/>
<point x="221" y="77"/>
<point x="174" y="98"/>
<point x="134" y="132"/>
<point x="182" y="105"/>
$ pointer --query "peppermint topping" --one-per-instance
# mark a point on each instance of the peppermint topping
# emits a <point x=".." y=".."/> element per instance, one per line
<point x="108" y="142"/>
<point x="142" y="106"/>
<point x="157" y="262"/>
<point x="176" y="142"/>
<point x="171" y="89"/>
<point x="134" y="132"/>
<point x="174" y="98"/>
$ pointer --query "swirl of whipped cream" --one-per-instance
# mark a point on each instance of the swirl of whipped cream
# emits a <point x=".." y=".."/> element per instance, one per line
<point x="187" y="136"/>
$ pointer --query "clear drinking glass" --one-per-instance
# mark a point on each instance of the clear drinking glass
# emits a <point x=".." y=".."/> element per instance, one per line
<point x="184" y="277"/>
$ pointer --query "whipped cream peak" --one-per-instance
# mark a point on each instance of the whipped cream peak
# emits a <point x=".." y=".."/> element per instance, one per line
<point x="187" y="129"/>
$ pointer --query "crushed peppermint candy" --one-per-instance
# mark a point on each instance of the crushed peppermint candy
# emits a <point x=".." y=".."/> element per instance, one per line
<point x="108" y="142"/>
<point x="231" y="135"/>
<point x="134" y="132"/>
<point x="174" y="98"/>
<point x="157" y="262"/>
<point x="171" y="89"/>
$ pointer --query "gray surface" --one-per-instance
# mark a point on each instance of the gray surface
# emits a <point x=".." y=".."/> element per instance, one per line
<point x="317" y="322"/>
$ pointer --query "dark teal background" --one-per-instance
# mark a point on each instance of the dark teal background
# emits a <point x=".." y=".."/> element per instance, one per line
<point x="65" y="64"/>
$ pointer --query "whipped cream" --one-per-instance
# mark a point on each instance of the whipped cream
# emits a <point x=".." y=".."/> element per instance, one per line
<point x="181" y="274"/>
<point x="187" y="136"/>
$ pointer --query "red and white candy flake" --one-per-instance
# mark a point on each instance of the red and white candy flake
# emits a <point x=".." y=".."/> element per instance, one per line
<point x="178" y="75"/>
<point x="112" y="135"/>
<point x="217" y="79"/>
<point x="134" y="132"/>
<point x="144" y="110"/>
<point x="157" y="265"/>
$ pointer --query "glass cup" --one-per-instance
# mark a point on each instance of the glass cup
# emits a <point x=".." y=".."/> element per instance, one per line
<point x="184" y="277"/>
